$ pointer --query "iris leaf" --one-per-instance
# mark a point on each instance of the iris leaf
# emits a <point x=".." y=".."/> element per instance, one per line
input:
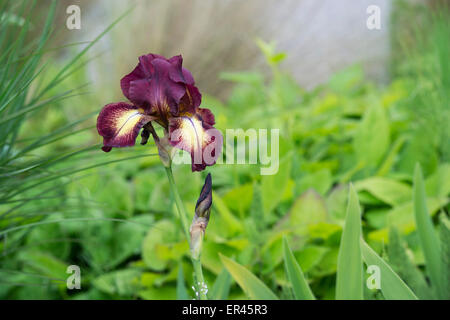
<point x="254" y="288"/>
<point x="349" y="277"/>
<point x="392" y="287"/>
<point x="295" y="275"/>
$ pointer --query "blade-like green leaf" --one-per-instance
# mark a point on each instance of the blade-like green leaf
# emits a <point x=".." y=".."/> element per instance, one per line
<point x="295" y="275"/>
<point x="392" y="287"/>
<point x="428" y="238"/>
<point x="221" y="287"/>
<point x="253" y="287"/>
<point x="372" y="138"/>
<point x="349" y="277"/>
<point x="445" y="254"/>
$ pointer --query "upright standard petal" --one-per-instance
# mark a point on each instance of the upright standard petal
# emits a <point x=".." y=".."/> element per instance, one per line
<point x="178" y="73"/>
<point x="119" y="124"/>
<point x="200" y="139"/>
<point x="143" y="70"/>
<point x="162" y="87"/>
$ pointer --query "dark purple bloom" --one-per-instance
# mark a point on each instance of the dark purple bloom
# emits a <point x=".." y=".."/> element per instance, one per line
<point x="161" y="90"/>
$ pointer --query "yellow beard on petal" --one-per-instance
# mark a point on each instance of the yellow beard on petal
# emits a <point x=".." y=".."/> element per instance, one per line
<point x="126" y="122"/>
<point x="192" y="132"/>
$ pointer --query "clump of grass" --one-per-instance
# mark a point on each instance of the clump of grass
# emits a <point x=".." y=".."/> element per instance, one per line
<point x="421" y="53"/>
<point x="33" y="180"/>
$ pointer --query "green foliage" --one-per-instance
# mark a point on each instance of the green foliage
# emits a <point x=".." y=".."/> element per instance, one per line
<point x="301" y="233"/>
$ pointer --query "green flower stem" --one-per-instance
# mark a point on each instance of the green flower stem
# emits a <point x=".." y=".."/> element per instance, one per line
<point x="199" y="280"/>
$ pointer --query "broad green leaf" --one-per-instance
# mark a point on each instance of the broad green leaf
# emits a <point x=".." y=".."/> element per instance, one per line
<point x="389" y="161"/>
<point x="349" y="277"/>
<point x="428" y="238"/>
<point x="379" y="236"/>
<point x="368" y="199"/>
<point x="122" y="282"/>
<point x="162" y="233"/>
<point x="253" y="287"/>
<point x="323" y="230"/>
<point x="327" y="265"/>
<point x="310" y="256"/>
<point x="272" y="252"/>
<point x="229" y="224"/>
<point x="372" y="138"/>
<point x="377" y="218"/>
<point x="438" y="184"/>
<point x="44" y="263"/>
<point x="272" y="185"/>
<point x="210" y="255"/>
<point x="295" y="275"/>
<point x="239" y="198"/>
<point x="337" y="202"/>
<point x="221" y="288"/>
<point x="307" y="210"/>
<point x="387" y="190"/>
<point x="402" y="216"/>
<point x="392" y="287"/>
<point x="320" y="181"/>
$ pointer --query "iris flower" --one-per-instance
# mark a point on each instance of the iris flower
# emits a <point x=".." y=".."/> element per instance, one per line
<point x="161" y="91"/>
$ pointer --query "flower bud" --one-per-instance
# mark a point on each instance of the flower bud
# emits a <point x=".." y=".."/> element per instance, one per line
<point x="201" y="217"/>
<point x="203" y="207"/>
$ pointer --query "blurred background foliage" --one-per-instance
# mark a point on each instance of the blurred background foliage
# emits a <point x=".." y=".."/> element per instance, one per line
<point x="64" y="202"/>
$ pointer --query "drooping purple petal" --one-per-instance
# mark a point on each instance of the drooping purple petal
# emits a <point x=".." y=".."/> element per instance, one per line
<point x="119" y="124"/>
<point x="201" y="140"/>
